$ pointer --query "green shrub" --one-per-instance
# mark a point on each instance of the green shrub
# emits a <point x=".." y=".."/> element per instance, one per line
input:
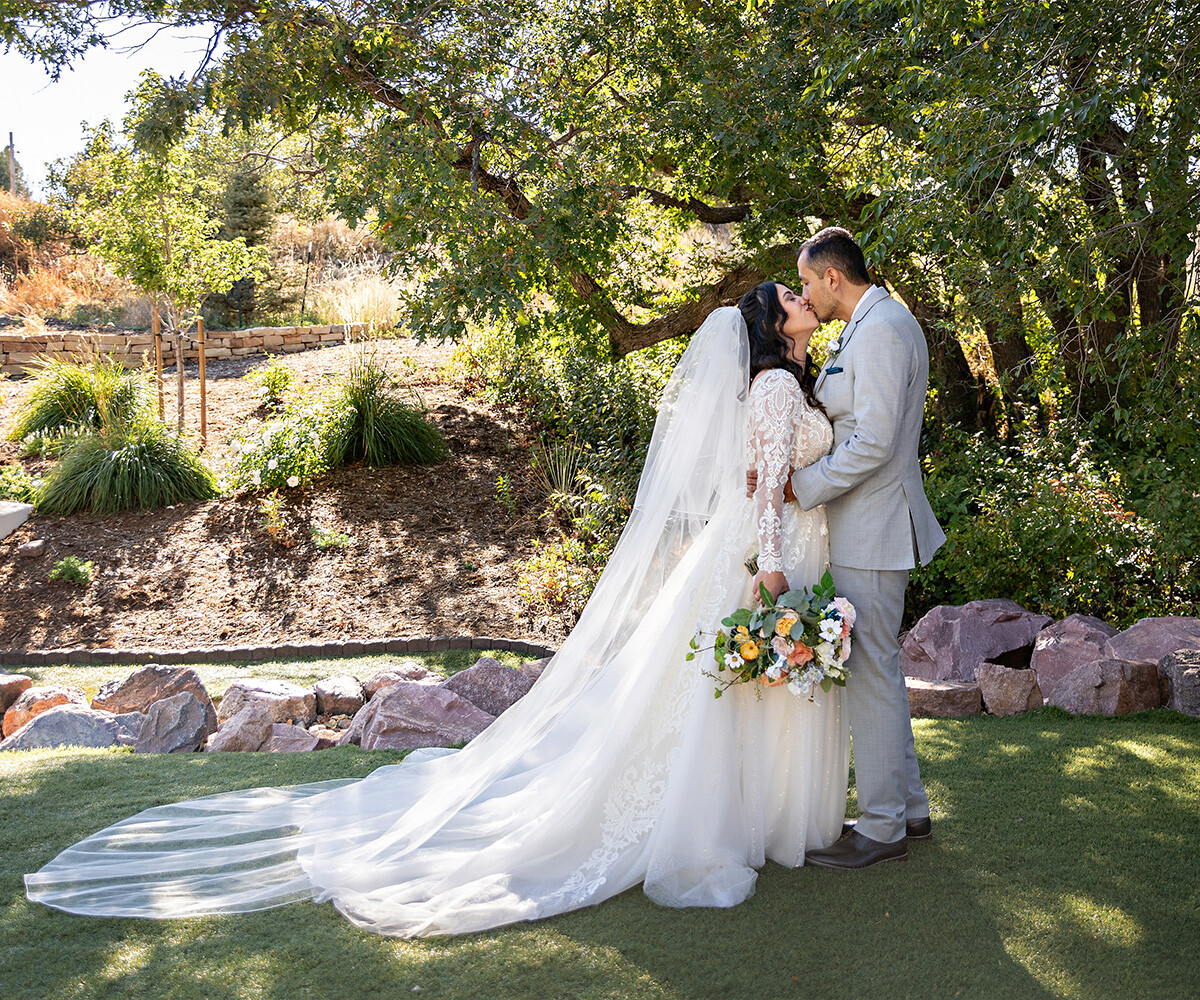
<point x="286" y="451"/>
<point x="72" y="569"/>
<point x="52" y="443"/>
<point x="16" y="484"/>
<point x="374" y="420"/>
<point x="328" y="539"/>
<point x="273" y="380"/>
<point x="67" y="394"/>
<point x="136" y="466"/>
<point x="1043" y="522"/>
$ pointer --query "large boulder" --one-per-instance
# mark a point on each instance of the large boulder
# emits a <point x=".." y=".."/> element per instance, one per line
<point x="1181" y="671"/>
<point x="34" y="701"/>
<point x="1109" y="687"/>
<point x="419" y="715"/>
<point x="1148" y="640"/>
<point x="342" y="695"/>
<point x="1062" y="646"/>
<point x="951" y="641"/>
<point x="12" y="686"/>
<point x="406" y="671"/>
<point x="290" y="739"/>
<point x="943" y="698"/>
<point x="151" y="683"/>
<point x="533" y="669"/>
<point x="490" y="685"/>
<point x="65" y="725"/>
<point x="1007" y="691"/>
<point x="178" y="724"/>
<point x="245" y="731"/>
<point x="129" y="727"/>
<point x="285" y="701"/>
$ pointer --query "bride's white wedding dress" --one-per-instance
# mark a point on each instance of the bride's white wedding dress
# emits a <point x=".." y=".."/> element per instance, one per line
<point x="618" y="768"/>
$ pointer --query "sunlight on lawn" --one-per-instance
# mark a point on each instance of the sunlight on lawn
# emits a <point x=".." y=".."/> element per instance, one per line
<point x="1056" y="870"/>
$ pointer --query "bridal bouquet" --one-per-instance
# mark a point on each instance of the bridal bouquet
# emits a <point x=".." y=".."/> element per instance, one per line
<point x="801" y="640"/>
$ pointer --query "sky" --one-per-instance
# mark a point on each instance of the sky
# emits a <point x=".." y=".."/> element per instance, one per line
<point x="45" y="117"/>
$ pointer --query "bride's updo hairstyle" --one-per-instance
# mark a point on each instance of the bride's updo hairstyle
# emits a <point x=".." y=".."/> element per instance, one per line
<point x="769" y="348"/>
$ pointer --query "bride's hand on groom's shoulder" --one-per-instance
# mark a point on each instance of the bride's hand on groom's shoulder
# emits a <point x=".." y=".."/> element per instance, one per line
<point x="789" y="495"/>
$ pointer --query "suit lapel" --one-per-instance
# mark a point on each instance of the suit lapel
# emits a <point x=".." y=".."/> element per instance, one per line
<point x="871" y="299"/>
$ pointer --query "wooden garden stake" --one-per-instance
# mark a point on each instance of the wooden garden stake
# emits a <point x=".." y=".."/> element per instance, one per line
<point x="203" y="387"/>
<point x="179" y="379"/>
<point x="156" y="329"/>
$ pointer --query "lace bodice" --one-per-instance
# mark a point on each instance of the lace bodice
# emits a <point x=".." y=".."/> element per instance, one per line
<point x="785" y="432"/>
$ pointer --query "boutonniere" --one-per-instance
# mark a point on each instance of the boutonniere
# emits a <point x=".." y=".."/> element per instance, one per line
<point x="833" y="348"/>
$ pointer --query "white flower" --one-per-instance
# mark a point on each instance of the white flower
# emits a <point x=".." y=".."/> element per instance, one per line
<point x="256" y="478"/>
<point x="293" y="481"/>
<point x="796" y="687"/>
<point x="734" y="661"/>
<point x="824" y="655"/>
<point x="273" y="464"/>
<point x="831" y="629"/>
<point x="775" y="671"/>
<point x="235" y="447"/>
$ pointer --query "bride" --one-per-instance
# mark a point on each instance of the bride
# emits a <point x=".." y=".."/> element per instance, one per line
<point x="618" y="768"/>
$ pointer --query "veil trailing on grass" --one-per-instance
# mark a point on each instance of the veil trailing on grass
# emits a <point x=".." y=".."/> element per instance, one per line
<point x="612" y="771"/>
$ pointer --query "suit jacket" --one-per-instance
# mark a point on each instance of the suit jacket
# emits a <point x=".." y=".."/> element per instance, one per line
<point x="873" y="390"/>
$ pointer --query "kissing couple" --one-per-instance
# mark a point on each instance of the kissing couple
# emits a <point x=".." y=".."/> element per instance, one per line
<point x="619" y="767"/>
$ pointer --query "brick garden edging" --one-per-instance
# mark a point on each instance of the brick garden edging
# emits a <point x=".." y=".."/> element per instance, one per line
<point x="251" y="654"/>
<point x="19" y="350"/>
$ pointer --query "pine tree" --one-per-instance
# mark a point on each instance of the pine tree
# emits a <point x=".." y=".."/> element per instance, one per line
<point x="248" y="214"/>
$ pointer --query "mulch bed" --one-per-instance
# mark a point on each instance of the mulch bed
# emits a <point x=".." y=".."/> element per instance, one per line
<point x="431" y="551"/>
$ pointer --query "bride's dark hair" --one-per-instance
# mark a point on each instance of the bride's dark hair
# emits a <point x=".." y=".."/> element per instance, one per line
<point x="769" y="348"/>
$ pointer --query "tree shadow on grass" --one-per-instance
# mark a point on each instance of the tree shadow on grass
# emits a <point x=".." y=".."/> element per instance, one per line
<point x="1061" y="866"/>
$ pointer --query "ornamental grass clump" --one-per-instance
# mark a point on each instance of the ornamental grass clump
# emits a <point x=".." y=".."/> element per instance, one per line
<point x="376" y="421"/>
<point x="125" y="466"/>
<point x="67" y="395"/>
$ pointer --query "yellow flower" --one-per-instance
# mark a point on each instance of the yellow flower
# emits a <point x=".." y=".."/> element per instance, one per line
<point x="784" y="625"/>
<point x="749" y="651"/>
<point x="742" y="634"/>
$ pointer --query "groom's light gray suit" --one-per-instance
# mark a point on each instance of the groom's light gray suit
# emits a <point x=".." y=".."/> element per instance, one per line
<point x="880" y="527"/>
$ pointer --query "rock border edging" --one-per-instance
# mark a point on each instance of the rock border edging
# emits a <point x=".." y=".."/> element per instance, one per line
<point x="258" y="653"/>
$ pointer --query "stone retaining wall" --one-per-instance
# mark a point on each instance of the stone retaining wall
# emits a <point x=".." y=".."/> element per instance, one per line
<point x="134" y="348"/>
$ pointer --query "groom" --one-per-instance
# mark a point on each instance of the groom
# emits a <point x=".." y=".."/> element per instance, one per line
<point x="880" y="526"/>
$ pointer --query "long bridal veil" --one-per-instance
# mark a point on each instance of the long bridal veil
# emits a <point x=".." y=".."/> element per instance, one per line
<point x="608" y="773"/>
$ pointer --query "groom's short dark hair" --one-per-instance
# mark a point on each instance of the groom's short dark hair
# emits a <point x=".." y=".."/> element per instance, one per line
<point x="834" y="247"/>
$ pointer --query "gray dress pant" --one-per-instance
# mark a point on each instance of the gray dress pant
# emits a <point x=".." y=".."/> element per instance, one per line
<point x="886" y="773"/>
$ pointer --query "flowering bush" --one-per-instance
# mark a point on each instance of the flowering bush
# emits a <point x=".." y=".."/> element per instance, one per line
<point x="273" y="380"/>
<point x="282" y="452"/>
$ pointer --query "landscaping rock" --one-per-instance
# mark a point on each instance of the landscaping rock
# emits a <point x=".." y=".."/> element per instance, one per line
<point x="1006" y="691"/>
<point x="1065" y="645"/>
<point x="151" y="683"/>
<point x="290" y="739"/>
<point x="1109" y="687"/>
<point x="178" y="724"/>
<point x="490" y="685"/>
<point x="129" y="727"/>
<point x="1181" y="671"/>
<point x="286" y="702"/>
<point x="64" y="725"/>
<point x="31" y="550"/>
<point x="418" y="715"/>
<point x="533" y="669"/>
<point x="342" y="695"/>
<point x="403" y="672"/>
<point x="943" y="698"/>
<point x="34" y="701"/>
<point x="11" y="688"/>
<point x="1148" y="640"/>
<point x="951" y="641"/>
<point x="245" y="731"/>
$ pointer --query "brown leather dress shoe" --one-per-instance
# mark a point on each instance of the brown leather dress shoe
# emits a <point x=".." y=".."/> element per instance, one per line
<point x="857" y="851"/>
<point x="914" y="829"/>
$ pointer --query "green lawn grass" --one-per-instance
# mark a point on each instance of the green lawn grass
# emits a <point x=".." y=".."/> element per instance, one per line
<point x="1064" y="864"/>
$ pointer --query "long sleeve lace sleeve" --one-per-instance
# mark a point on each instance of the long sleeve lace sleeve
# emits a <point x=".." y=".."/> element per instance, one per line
<point x="774" y="400"/>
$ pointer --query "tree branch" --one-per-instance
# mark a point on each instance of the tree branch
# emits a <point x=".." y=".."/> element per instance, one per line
<point x="712" y="214"/>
